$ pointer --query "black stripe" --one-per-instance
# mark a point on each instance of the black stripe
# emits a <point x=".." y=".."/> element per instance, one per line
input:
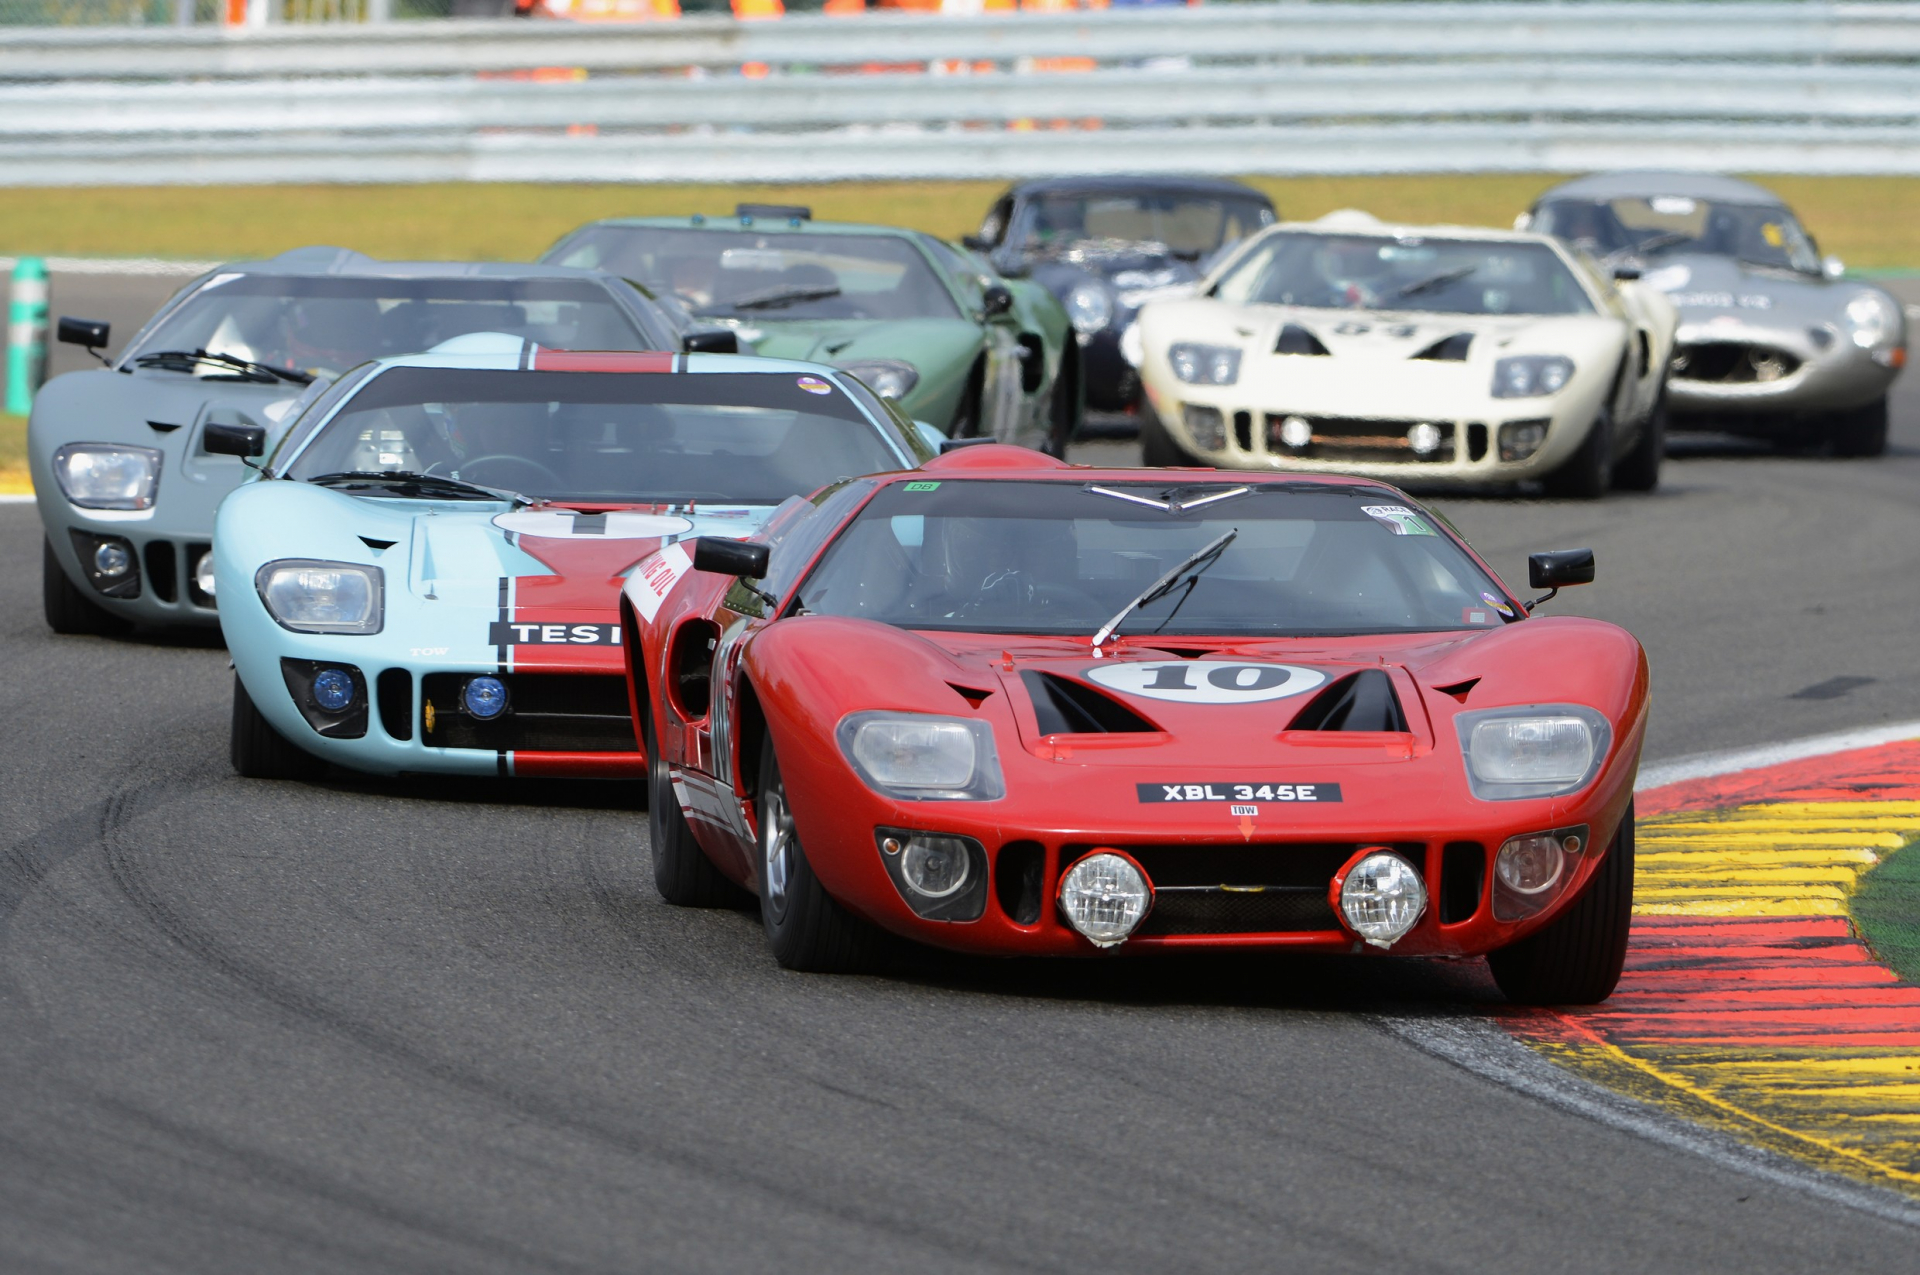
<point x="506" y="614"/>
<point x="589" y="524"/>
<point x="500" y="760"/>
<point x="526" y="354"/>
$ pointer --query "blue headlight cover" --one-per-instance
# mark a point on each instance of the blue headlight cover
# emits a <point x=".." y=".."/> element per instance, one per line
<point x="484" y="697"/>
<point x="333" y="689"/>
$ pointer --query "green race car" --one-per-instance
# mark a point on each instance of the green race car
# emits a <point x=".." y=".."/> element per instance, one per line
<point x="920" y="321"/>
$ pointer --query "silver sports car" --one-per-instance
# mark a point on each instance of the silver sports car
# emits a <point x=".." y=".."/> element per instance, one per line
<point x="1773" y="342"/>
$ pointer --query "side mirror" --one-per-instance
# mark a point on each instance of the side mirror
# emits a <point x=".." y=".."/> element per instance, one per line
<point x="711" y="341"/>
<point x="1624" y="273"/>
<point x="997" y="299"/>
<point x="1830" y="267"/>
<point x="92" y="333"/>
<point x="976" y="243"/>
<point x="234" y="440"/>
<point x="1558" y="568"/>
<point x="955" y="444"/>
<point x="725" y="557"/>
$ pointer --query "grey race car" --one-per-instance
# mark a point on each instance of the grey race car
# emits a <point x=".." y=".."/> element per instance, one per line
<point x="126" y="485"/>
<point x="1773" y="342"/>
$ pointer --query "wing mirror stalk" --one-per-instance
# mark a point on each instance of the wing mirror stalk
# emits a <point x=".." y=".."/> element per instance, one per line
<point x="1557" y="569"/>
<point x="743" y="559"/>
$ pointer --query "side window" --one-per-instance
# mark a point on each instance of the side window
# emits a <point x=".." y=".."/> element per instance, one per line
<point x="993" y="230"/>
<point x="964" y="273"/>
<point x="796" y="541"/>
<point x="316" y="410"/>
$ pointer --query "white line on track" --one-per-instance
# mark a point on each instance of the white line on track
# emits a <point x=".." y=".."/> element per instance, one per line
<point x="116" y="265"/>
<point x="1474" y="1044"/>
<point x="15" y="500"/>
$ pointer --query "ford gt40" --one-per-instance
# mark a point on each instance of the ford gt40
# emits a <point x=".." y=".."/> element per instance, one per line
<point x="425" y="578"/>
<point x="1006" y="706"/>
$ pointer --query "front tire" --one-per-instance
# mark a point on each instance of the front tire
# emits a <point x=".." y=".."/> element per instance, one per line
<point x="1157" y="447"/>
<point x="67" y="609"/>
<point x="807" y="930"/>
<point x="1639" y="469"/>
<point x="258" y="751"/>
<point x="682" y="873"/>
<point x="1576" y="959"/>
<point x="1586" y="474"/>
<point x="1860" y="432"/>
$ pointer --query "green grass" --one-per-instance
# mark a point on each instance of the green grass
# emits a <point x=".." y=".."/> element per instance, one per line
<point x="13" y="455"/>
<point x="1873" y="222"/>
<point x="1887" y="909"/>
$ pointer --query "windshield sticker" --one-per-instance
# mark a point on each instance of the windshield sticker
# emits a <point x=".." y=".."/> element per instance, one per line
<point x="565" y="524"/>
<point x="1399" y="519"/>
<point x="1207" y="681"/>
<point x="1231" y="792"/>
<point x="508" y="633"/>
<point x="1476" y="615"/>
<point x="1672" y="205"/>
<point x="922" y="487"/>
<point x="814" y="385"/>
<point x="654" y="579"/>
<point x="1770" y="232"/>
<point x="1497" y="604"/>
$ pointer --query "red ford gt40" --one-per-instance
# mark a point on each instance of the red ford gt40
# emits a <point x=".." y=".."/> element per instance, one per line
<point x="1008" y="706"/>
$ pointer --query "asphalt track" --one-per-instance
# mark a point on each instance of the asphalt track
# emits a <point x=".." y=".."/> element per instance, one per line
<point x="362" y="1025"/>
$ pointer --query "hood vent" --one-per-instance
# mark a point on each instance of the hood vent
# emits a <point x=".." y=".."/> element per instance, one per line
<point x="1362" y="701"/>
<point x="974" y="696"/>
<point x="1295" y="339"/>
<point x="1452" y="349"/>
<point x="1065" y="707"/>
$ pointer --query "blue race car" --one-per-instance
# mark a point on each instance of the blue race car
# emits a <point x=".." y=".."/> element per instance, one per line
<point x="426" y="576"/>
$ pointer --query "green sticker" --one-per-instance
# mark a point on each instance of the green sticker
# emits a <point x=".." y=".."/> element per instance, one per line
<point x="923" y="486"/>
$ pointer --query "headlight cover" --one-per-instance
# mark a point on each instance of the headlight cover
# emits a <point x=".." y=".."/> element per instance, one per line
<point x="921" y="757"/>
<point x="889" y="378"/>
<point x="322" y="597"/>
<point x="1535" y="750"/>
<point x="1089" y="307"/>
<point x="107" y="476"/>
<point x="1531" y="375"/>
<point x="1873" y="319"/>
<point x="1204" y="364"/>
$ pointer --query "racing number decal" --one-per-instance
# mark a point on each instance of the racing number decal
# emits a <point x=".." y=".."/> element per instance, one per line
<point x="1152" y="793"/>
<point x="1207" y="681"/>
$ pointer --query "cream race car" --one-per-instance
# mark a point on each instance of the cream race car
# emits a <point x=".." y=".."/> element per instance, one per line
<point x="1414" y="353"/>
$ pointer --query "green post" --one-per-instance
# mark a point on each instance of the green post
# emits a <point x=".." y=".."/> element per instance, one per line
<point x="26" y="334"/>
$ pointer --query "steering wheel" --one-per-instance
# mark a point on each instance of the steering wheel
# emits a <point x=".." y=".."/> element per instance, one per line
<point x="540" y="472"/>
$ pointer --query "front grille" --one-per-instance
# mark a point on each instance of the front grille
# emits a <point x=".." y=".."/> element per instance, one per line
<point x="160" y="570"/>
<point x="1294" y="910"/>
<point x="546" y="712"/>
<point x="1242" y="889"/>
<point x="1733" y="363"/>
<point x="1358" y="438"/>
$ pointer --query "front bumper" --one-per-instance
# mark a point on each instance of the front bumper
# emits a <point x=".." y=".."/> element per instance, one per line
<point x="165" y="548"/>
<point x="1726" y="369"/>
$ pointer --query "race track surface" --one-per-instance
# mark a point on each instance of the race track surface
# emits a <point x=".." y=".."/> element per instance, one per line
<point x="368" y="1026"/>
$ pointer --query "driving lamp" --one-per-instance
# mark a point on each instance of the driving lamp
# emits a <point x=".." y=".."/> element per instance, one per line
<point x="889" y="378"/>
<point x="1105" y="897"/>
<point x="111" y="560"/>
<point x="935" y="867"/>
<point x="322" y="597"/>
<point x="203" y="573"/>
<point x="920" y="757"/>
<point x="1424" y="438"/>
<point x="1206" y="424"/>
<point x="484" y="698"/>
<point x="1381" y="896"/>
<point x="1521" y="439"/>
<point x="1531" y="375"/>
<point x="1089" y="308"/>
<point x="333" y="690"/>
<point x="1534" y="752"/>
<point x="1296" y="431"/>
<point x="101" y="476"/>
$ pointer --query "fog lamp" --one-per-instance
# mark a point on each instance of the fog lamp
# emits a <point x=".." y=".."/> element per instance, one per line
<point x="203" y="573"/>
<point x="935" y="866"/>
<point x="1208" y="427"/>
<point x="1521" y="439"/>
<point x="484" y="697"/>
<point x="333" y="689"/>
<point x="111" y="560"/>
<point x="1105" y="897"/>
<point x="1529" y="865"/>
<point x="1381" y="896"/>
<point x="1296" y="431"/>
<point x="1424" y="438"/>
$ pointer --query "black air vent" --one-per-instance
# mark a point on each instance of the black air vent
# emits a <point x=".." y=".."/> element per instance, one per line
<point x="1362" y="701"/>
<point x="1452" y="349"/>
<point x="1295" y="339"/>
<point x="1065" y="707"/>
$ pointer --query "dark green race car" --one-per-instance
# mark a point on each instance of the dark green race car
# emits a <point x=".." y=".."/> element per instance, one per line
<point x="922" y="322"/>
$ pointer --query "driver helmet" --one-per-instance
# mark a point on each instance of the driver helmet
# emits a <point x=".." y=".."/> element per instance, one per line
<point x="331" y="332"/>
<point x="1352" y="268"/>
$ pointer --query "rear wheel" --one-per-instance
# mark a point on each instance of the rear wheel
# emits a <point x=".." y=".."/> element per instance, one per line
<point x="682" y="873"/>
<point x="1576" y="959"/>
<point x="1639" y="469"/>
<point x="1860" y="432"/>
<point x="258" y="751"/>
<point x="67" y="609"/>
<point x="1157" y="447"/>
<point x="1585" y="474"/>
<point x="806" y="928"/>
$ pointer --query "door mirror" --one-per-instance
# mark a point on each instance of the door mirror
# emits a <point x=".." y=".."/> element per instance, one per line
<point x="1624" y="273"/>
<point x="725" y="557"/>
<point x="234" y="440"/>
<point x="711" y="341"/>
<point x="996" y="299"/>
<point x="92" y="333"/>
<point x="1558" y="568"/>
<point x="976" y="243"/>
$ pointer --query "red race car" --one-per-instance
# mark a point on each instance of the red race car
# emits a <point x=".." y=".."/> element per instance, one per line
<point x="1008" y="706"/>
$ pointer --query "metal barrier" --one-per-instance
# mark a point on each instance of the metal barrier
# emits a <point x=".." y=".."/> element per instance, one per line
<point x="1250" y="88"/>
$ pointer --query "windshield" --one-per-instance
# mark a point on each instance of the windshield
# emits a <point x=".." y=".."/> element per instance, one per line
<point x="727" y="274"/>
<point x="1187" y="225"/>
<point x="1062" y="558"/>
<point x="1373" y="272"/>
<point x="329" y="324"/>
<point x="1758" y="234"/>
<point x="738" y="438"/>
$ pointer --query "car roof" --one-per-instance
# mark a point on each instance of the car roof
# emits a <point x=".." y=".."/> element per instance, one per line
<point x="318" y="261"/>
<point x="1647" y="182"/>
<point x="1018" y="464"/>
<point x="1114" y="183"/>
<point x="1349" y="221"/>
<point x="497" y="351"/>
<point x="739" y="225"/>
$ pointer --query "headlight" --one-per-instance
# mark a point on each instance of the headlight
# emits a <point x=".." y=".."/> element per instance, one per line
<point x="1536" y="751"/>
<point x="322" y="597"/>
<point x="1089" y="308"/>
<point x="1204" y="364"/>
<point x="1531" y="375"/>
<point x="1132" y="348"/>
<point x="920" y="757"/>
<point x="1874" y="320"/>
<point x="889" y="378"/>
<point x="103" y="476"/>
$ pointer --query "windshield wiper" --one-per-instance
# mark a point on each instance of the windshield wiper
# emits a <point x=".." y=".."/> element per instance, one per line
<point x="243" y="369"/>
<point x="773" y="297"/>
<point x="1188" y="572"/>
<point x="1653" y="243"/>
<point x="455" y="487"/>
<point x="1431" y="282"/>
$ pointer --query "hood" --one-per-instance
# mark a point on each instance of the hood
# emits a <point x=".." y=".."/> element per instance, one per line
<point x="158" y="409"/>
<point x="1386" y="336"/>
<point x="1705" y="287"/>
<point x="925" y="343"/>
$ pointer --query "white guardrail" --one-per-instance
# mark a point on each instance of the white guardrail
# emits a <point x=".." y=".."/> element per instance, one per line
<point x="1235" y="88"/>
